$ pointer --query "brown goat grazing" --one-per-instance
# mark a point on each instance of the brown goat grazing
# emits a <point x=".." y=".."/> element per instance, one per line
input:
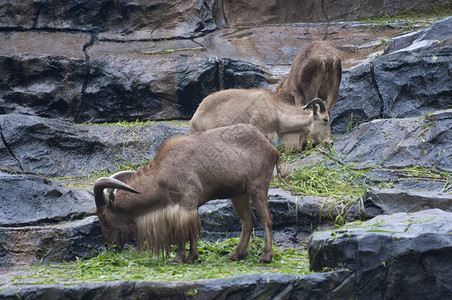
<point x="315" y="72"/>
<point x="159" y="203"/>
<point x="259" y="108"/>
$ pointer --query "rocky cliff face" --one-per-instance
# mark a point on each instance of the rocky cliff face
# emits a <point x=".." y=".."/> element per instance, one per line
<point x="240" y="12"/>
<point x="103" y="61"/>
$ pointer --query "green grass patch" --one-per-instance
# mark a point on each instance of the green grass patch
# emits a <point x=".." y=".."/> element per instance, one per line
<point x="328" y="181"/>
<point x="410" y="18"/>
<point x="169" y="51"/>
<point x="123" y="166"/>
<point x="417" y="173"/>
<point x="138" y="123"/>
<point x="324" y="178"/>
<point x="342" y="185"/>
<point x="84" y="182"/>
<point x="128" y="264"/>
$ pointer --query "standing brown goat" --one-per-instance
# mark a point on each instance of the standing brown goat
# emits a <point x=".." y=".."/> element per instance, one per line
<point x="159" y="203"/>
<point x="259" y="108"/>
<point x="315" y="73"/>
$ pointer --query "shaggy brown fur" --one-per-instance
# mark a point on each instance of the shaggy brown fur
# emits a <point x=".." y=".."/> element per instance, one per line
<point x="259" y="108"/>
<point x="158" y="204"/>
<point x="172" y="225"/>
<point x="316" y="72"/>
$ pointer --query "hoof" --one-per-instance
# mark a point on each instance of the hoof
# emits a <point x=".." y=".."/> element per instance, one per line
<point x="190" y="260"/>
<point x="266" y="259"/>
<point x="235" y="257"/>
<point x="178" y="260"/>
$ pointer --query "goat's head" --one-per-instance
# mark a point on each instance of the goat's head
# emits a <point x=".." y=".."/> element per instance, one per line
<point x="117" y="227"/>
<point x="320" y="130"/>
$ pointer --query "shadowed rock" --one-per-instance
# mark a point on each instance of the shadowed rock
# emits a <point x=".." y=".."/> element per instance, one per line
<point x="161" y="19"/>
<point x="397" y="143"/>
<point x="403" y="254"/>
<point x="56" y="148"/>
<point x="255" y="12"/>
<point x="41" y="201"/>
<point x="255" y="286"/>
<point x="389" y="201"/>
<point x="412" y="79"/>
<point x="58" y="243"/>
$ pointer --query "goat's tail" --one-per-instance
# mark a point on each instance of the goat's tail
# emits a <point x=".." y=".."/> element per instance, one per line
<point x="283" y="174"/>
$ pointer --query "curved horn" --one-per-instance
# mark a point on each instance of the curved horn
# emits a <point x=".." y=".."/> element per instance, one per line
<point x="123" y="175"/>
<point x="108" y="182"/>
<point x="318" y="101"/>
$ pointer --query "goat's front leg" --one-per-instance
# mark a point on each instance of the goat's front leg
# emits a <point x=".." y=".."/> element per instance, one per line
<point x="193" y="254"/>
<point x="180" y="255"/>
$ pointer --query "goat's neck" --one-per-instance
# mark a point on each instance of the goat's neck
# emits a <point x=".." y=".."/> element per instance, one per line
<point x="149" y="197"/>
<point x="294" y="119"/>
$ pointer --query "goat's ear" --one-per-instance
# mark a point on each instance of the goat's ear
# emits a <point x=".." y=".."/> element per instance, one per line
<point x="315" y="109"/>
<point x="111" y="197"/>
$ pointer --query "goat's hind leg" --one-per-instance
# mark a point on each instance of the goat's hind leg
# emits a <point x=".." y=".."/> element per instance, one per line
<point x="260" y="200"/>
<point x="242" y="207"/>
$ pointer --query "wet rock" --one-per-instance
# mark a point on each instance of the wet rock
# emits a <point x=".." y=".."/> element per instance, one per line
<point x="403" y="255"/>
<point x="42" y="73"/>
<point x="352" y="10"/>
<point x="97" y="80"/>
<point x="147" y="86"/>
<point x="147" y="80"/>
<point x="402" y="180"/>
<point x="358" y="101"/>
<point x="31" y="200"/>
<point x="397" y="143"/>
<point x="58" y="243"/>
<point x="255" y="286"/>
<point x="294" y="218"/>
<point x="416" y="80"/>
<point x="412" y="79"/>
<point x="240" y="12"/>
<point x="389" y="201"/>
<point x="56" y="148"/>
<point x="274" y="47"/>
<point x="242" y="75"/>
<point x="7" y="159"/>
<point x="159" y="20"/>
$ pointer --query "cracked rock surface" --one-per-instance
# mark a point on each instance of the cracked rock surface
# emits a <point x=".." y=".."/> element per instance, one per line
<point x="102" y="61"/>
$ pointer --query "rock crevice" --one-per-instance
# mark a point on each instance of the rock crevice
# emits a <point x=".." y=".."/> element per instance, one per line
<point x="10" y="153"/>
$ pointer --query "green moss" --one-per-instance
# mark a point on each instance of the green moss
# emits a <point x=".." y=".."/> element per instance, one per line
<point x="327" y="181"/>
<point x="84" y="182"/>
<point x="410" y="18"/>
<point x="170" y="51"/>
<point x="418" y="173"/>
<point x="324" y="178"/>
<point x="137" y="123"/>
<point x="129" y="265"/>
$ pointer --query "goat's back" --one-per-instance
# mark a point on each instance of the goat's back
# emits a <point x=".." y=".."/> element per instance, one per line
<point x="223" y="161"/>
<point x="222" y="147"/>
<point x="232" y="106"/>
<point x="315" y="72"/>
